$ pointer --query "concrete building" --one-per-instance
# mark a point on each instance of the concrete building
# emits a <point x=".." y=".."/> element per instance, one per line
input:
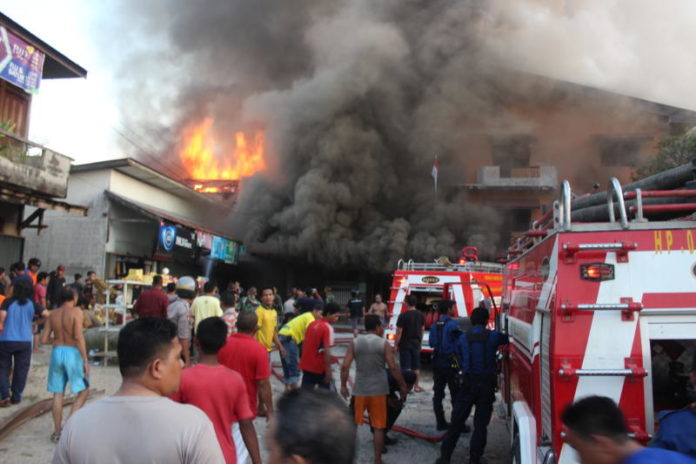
<point x="543" y="131"/>
<point x="30" y="174"/>
<point x="138" y="218"/>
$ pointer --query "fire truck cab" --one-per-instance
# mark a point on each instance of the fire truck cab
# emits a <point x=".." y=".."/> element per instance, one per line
<point x="601" y="308"/>
<point x="466" y="282"/>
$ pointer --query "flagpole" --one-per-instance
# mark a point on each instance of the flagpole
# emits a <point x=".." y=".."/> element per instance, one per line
<point x="434" y="173"/>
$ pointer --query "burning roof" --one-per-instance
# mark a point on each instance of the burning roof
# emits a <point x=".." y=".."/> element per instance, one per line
<point x="213" y="162"/>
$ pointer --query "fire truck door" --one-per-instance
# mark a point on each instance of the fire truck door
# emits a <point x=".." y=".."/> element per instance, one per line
<point x="456" y="294"/>
<point x="664" y="337"/>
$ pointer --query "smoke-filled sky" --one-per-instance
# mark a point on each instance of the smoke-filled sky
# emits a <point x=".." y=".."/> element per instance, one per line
<point x="358" y="96"/>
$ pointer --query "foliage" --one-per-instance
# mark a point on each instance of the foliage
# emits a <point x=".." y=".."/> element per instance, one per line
<point x="8" y="149"/>
<point x="673" y="151"/>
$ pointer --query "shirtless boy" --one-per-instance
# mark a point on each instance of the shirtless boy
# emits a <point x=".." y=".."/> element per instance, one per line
<point x="69" y="361"/>
<point x="379" y="308"/>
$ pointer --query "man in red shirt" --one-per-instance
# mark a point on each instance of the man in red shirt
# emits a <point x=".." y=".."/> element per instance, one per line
<point x="219" y="392"/>
<point x="39" y="299"/>
<point x="152" y="302"/>
<point x="316" y="350"/>
<point x="245" y="355"/>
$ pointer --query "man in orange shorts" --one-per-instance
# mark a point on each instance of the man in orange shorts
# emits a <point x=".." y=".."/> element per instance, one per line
<point x="371" y="353"/>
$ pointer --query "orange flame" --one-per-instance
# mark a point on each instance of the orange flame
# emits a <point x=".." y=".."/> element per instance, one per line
<point x="199" y="157"/>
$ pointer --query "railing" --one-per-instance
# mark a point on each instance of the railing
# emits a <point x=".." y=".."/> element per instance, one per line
<point x="32" y="166"/>
<point x="544" y="177"/>
<point x="626" y="203"/>
<point x="456" y="267"/>
<point x="531" y="171"/>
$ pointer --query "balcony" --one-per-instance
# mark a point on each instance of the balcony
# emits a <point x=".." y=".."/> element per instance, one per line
<point x="32" y="168"/>
<point x="527" y="178"/>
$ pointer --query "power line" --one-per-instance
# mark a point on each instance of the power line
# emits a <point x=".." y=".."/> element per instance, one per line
<point x="170" y="170"/>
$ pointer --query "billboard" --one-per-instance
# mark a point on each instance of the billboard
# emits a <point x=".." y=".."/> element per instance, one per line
<point x="20" y="63"/>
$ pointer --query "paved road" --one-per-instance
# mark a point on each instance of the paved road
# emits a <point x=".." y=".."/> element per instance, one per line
<point x="418" y="415"/>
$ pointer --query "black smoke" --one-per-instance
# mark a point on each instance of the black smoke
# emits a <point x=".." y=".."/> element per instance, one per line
<point x="357" y="97"/>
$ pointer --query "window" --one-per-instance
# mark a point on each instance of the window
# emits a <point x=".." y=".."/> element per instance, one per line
<point x="618" y="150"/>
<point x="517" y="219"/>
<point x="512" y="151"/>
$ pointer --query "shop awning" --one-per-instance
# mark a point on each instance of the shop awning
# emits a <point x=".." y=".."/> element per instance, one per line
<point x="158" y="215"/>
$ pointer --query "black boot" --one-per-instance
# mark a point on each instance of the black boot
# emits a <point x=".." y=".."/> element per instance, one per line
<point x="442" y="424"/>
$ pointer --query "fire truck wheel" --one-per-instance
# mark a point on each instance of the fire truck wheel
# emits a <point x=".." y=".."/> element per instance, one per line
<point x="516" y="453"/>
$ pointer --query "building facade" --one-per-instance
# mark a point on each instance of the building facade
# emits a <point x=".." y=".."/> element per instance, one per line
<point x="30" y="174"/>
<point x="138" y="219"/>
<point x="543" y="131"/>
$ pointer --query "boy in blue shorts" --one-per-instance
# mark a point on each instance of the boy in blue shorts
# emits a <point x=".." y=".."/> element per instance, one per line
<point x="69" y="361"/>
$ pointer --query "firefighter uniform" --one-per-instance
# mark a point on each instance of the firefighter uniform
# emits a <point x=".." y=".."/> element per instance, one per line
<point x="476" y="351"/>
<point x="443" y="340"/>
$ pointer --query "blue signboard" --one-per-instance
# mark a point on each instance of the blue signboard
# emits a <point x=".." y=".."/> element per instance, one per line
<point x="167" y="237"/>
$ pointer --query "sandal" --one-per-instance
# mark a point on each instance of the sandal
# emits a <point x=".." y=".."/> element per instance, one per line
<point x="55" y="437"/>
<point x="418" y="389"/>
<point x="5" y="403"/>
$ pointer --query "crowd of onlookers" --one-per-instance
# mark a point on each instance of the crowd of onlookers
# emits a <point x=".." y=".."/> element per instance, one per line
<point x="27" y="294"/>
<point x="196" y="367"/>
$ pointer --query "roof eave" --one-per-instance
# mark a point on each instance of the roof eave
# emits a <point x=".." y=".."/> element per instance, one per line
<point x="57" y="65"/>
<point x="121" y="165"/>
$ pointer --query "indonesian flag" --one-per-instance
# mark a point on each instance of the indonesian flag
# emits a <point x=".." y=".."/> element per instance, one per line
<point x="436" y="167"/>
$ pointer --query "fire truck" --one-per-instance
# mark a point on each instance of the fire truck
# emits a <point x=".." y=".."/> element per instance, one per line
<point x="599" y="298"/>
<point x="467" y="282"/>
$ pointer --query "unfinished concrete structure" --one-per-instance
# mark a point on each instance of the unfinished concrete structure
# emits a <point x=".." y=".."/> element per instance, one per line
<point x="30" y="174"/>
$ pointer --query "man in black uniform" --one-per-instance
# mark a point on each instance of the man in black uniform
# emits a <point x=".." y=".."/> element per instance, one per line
<point x="356" y="306"/>
<point x="476" y="352"/>
<point x="443" y="340"/>
<point x="55" y="285"/>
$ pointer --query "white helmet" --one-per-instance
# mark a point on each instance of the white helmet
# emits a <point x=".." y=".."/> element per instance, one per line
<point x="186" y="283"/>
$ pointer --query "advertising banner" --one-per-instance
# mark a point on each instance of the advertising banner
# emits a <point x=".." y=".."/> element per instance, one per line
<point x="204" y="240"/>
<point x="176" y="242"/>
<point x="20" y="63"/>
<point x="223" y="249"/>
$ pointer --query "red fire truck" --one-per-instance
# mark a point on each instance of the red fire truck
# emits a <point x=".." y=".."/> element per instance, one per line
<point x="606" y="307"/>
<point x="466" y="282"/>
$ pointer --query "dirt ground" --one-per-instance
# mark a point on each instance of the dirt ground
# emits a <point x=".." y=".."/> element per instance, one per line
<point x="30" y="443"/>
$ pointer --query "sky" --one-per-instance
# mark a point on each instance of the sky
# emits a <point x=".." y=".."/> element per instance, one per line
<point x="76" y="117"/>
<point x="644" y="51"/>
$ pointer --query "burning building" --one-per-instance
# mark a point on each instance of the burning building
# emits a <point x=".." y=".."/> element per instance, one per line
<point x="357" y="99"/>
<point x="216" y="164"/>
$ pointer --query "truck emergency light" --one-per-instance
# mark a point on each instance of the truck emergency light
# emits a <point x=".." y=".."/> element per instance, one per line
<point x="597" y="272"/>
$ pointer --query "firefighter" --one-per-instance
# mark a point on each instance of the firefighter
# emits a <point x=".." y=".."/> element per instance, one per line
<point x="476" y="353"/>
<point x="443" y="340"/>
<point x="596" y="428"/>
<point x="678" y="428"/>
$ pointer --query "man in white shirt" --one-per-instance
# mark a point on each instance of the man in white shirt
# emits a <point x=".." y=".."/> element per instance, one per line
<point x="139" y="423"/>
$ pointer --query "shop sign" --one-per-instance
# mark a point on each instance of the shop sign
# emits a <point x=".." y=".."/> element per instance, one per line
<point x="204" y="240"/>
<point x="224" y="249"/>
<point x="20" y="62"/>
<point x="176" y="242"/>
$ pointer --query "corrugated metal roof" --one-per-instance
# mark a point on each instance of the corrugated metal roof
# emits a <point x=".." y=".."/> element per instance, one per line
<point x="138" y="170"/>
<point x="158" y="214"/>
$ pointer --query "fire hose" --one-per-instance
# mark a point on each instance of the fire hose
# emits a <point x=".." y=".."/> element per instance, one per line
<point x="395" y="428"/>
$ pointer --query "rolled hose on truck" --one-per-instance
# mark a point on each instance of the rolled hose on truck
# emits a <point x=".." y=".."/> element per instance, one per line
<point x="395" y="428"/>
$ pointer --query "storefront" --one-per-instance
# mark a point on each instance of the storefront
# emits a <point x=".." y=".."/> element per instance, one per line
<point x="175" y="243"/>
